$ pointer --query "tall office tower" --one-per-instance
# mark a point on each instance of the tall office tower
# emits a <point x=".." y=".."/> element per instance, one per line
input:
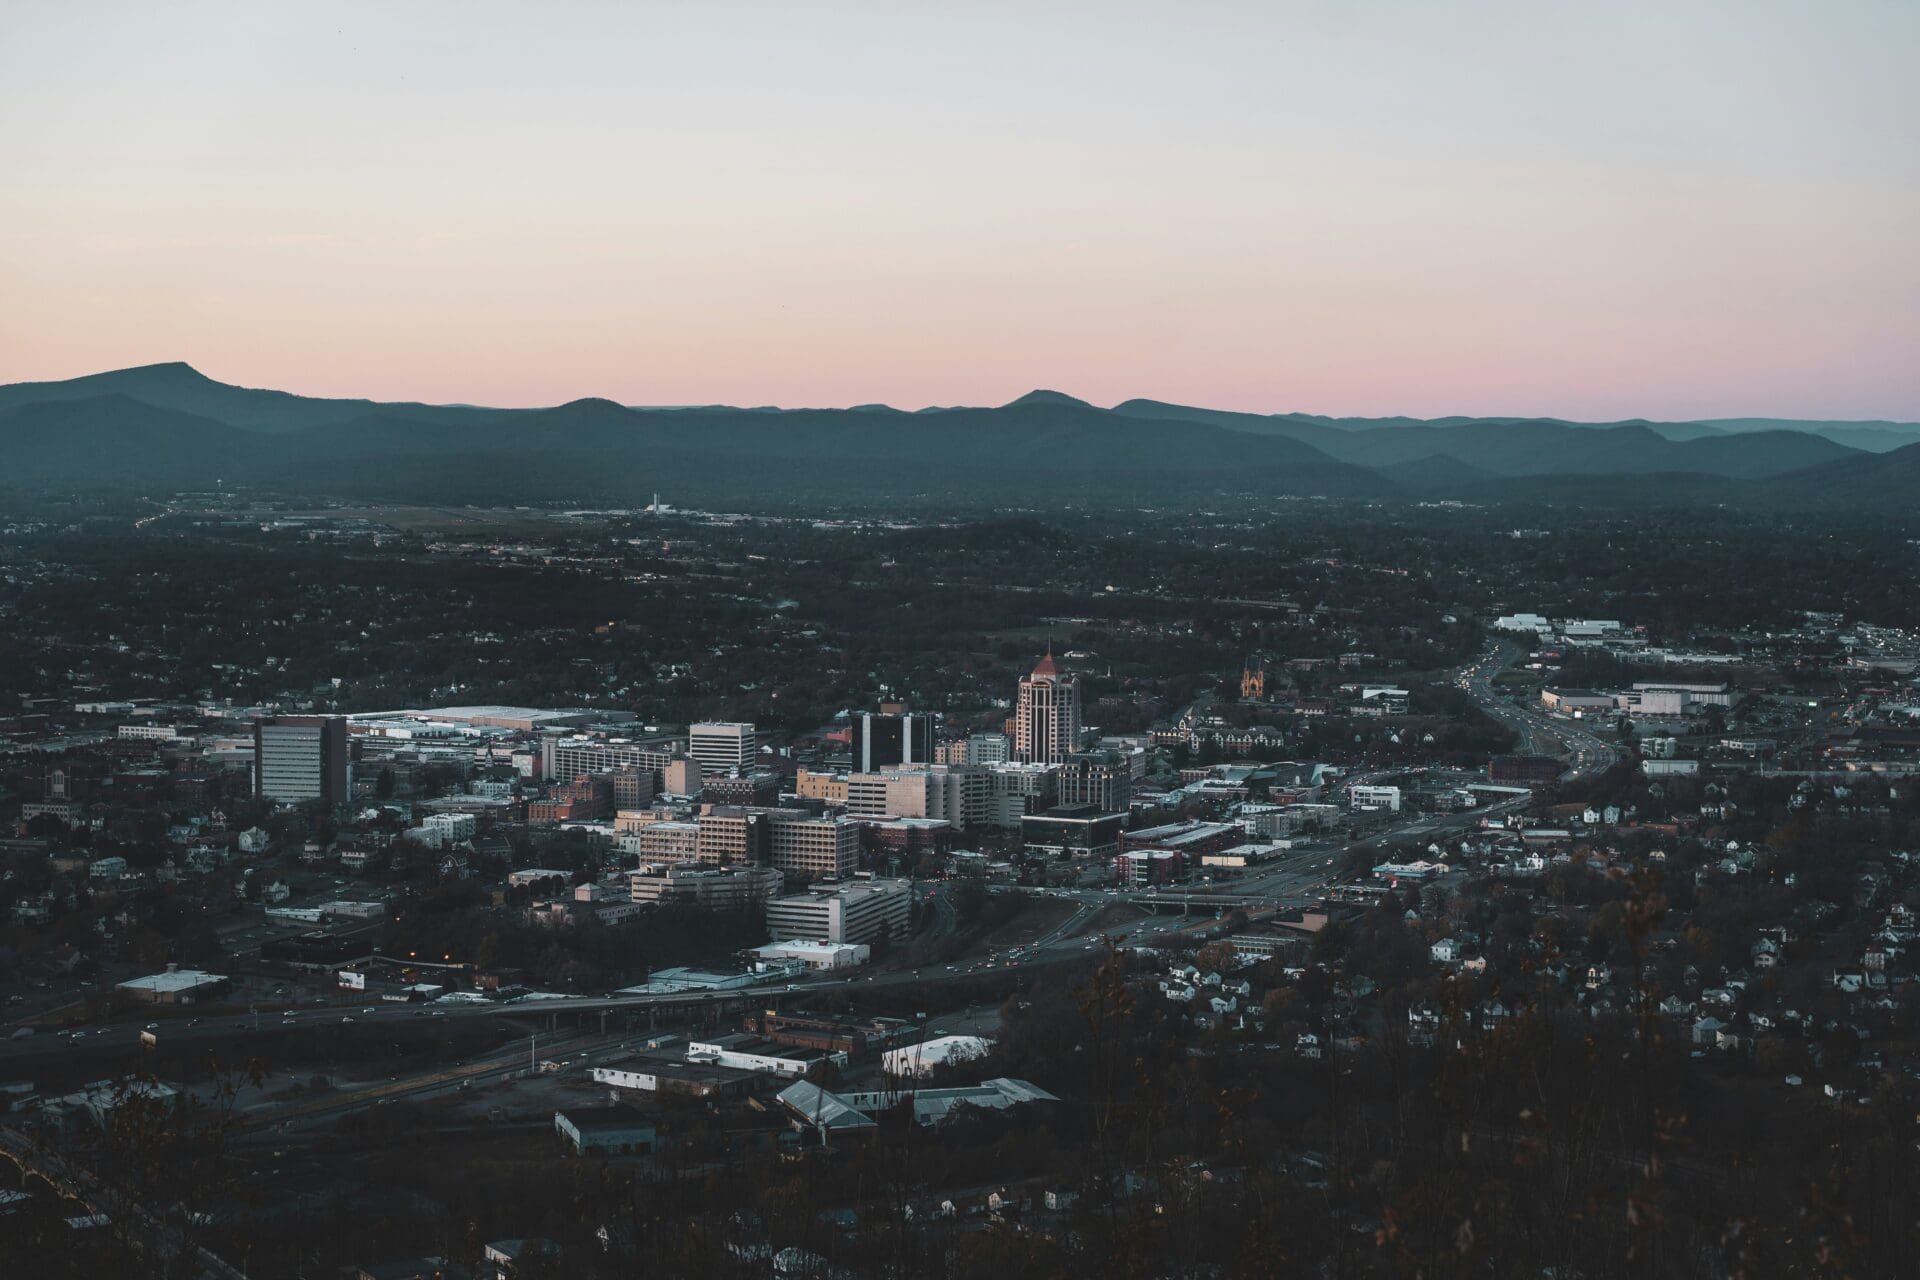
<point x="300" y="758"/>
<point x="1046" y="724"/>
<point x="723" y="747"/>
<point x="890" y="737"/>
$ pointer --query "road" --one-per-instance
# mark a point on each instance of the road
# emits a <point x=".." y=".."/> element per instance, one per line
<point x="1586" y="754"/>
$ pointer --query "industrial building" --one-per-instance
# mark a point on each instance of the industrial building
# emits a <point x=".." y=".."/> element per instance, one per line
<point x="175" y="986"/>
<point x="604" y="1131"/>
<point x="942" y="1051"/>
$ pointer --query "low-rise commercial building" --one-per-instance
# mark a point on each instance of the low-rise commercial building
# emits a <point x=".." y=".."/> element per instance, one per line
<point x="693" y="1079"/>
<point x="1367" y="797"/>
<point x="818" y="956"/>
<point x="176" y="986"/>
<point x="1072" y="832"/>
<point x="714" y="888"/>
<point x="1148" y="866"/>
<point x="742" y="1052"/>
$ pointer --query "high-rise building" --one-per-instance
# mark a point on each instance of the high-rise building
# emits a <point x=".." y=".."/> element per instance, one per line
<point x="1046" y="722"/>
<point x="811" y="848"/>
<point x="894" y="794"/>
<point x="792" y="840"/>
<point x="1100" y="778"/>
<point x="958" y="794"/>
<point x="732" y="834"/>
<point x="300" y="758"/>
<point x="1015" y="790"/>
<point x="723" y="747"/>
<point x="890" y="737"/>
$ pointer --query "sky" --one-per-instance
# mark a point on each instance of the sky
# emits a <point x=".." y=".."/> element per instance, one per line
<point x="1663" y="209"/>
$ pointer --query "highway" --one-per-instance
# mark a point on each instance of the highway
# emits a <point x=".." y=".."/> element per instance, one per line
<point x="1586" y="754"/>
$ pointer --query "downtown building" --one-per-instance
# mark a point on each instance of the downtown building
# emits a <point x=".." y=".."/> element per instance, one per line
<point x="1103" y="779"/>
<point x="297" y="759"/>
<point x="1046" y="717"/>
<point x="810" y="848"/>
<point x="569" y="757"/>
<point x="890" y="736"/>
<point x="1016" y="790"/>
<point x="715" y="888"/>
<point x="792" y="841"/>
<point x="724" y="747"/>
<point x="857" y="912"/>
<point x="956" y="794"/>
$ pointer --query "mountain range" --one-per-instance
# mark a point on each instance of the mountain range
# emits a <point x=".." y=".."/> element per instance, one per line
<point x="168" y="425"/>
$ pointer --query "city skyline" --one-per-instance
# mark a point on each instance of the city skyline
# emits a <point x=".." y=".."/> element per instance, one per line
<point x="981" y="643"/>
<point x="1493" y="209"/>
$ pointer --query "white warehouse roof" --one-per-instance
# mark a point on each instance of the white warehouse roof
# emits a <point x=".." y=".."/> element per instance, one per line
<point x="918" y="1059"/>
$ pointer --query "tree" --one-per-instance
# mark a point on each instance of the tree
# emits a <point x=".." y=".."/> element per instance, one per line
<point x="1215" y="957"/>
<point x="969" y="898"/>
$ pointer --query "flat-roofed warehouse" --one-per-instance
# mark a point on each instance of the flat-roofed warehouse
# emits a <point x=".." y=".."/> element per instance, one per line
<point x="176" y="986"/>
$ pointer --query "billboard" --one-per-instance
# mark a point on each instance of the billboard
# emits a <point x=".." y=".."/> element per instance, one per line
<point x="352" y="980"/>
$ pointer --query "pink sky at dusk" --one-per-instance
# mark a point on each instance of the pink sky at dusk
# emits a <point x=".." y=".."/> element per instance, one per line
<point x="1666" y="210"/>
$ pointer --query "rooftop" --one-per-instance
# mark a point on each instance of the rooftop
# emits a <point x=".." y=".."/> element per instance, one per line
<point x="827" y="1110"/>
<point x="604" y="1119"/>
<point x="173" y="980"/>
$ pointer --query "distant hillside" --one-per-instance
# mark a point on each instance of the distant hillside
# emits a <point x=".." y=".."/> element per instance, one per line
<point x="1036" y="447"/>
<point x="1536" y="447"/>
<point x="181" y="387"/>
<point x="119" y="439"/>
<point x="1872" y="436"/>
<point x="1884" y="481"/>
<point x="169" y="426"/>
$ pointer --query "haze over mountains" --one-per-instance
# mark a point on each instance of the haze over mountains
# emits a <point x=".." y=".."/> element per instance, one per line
<point x="168" y="425"/>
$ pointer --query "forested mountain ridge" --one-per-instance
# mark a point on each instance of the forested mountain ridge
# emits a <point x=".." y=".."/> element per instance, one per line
<point x="170" y="424"/>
